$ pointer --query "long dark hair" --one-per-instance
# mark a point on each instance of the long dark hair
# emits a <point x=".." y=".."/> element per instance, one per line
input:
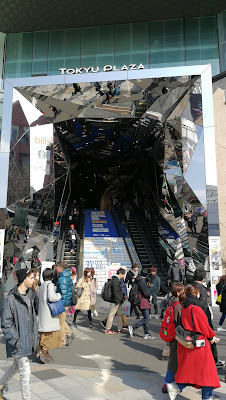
<point x="188" y="290"/>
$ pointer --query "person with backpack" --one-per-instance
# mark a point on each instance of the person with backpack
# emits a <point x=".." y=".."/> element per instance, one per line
<point x="171" y="319"/>
<point x="199" y="278"/>
<point x="145" y="300"/>
<point x="196" y="366"/>
<point x="153" y="282"/>
<point x="112" y="292"/>
<point x="176" y="273"/>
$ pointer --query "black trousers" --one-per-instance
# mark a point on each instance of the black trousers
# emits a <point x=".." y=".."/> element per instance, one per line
<point x="213" y="346"/>
<point x="89" y="315"/>
<point x="135" y="308"/>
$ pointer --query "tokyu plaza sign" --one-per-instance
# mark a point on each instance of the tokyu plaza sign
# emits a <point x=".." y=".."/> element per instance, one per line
<point x="106" y="68"/>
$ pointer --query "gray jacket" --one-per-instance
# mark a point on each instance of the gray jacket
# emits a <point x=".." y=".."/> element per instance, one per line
<point x="47" y="323"/>
<point x="19" y="324"/>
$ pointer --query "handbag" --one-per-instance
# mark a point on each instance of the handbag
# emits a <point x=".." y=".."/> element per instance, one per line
<point x="78" y="291"/>
<point x="219" y="298"/>
<point x="187" y="338"/>
<point x="56" y="307"/>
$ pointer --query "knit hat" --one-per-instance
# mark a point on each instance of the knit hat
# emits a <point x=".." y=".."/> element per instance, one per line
<point x="73" y="269"/>
<point x="21" y="274"/>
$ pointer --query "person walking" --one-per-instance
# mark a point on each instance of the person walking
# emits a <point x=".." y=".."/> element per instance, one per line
<point x="153" y="282"/>
<point x="73" y="235"/>
<point x="145" y="299"/>
<point x="71" y="310"/>
<point x="133" y="291"/>
<point x="196" y="367"/>
<point x="64" y="287"/>
<point x="93" y="292"/>
<point x="199" y="278"/>
<point x="176" y="289"/>
<point x="48" y="326"/>
<point x="19" y="326"/>
<point x="84" y="301"/>
<point x="176" y="273"/>
<point x="221" y="289"/>
<point x="115" y="304"/>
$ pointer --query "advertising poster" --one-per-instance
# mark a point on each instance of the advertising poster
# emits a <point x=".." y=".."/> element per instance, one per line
<point x="41" y="156"/>
<point x="99" y="223"/>
<point x="2" y="237"/>
<point x="45" y="264"/>
<point x="215" y="264"/>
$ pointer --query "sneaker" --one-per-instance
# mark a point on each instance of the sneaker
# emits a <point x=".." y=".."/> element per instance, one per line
<point x="150" y="316"/>
<point x="173" y="390"/>
<point x="220" y="364"/>
<point x="148" y="336"/>
<point x="92" y="327"/>
<point x="131" y="331"/>
<point x="109" y="332"/>
<point x="95" y="313"/>
<point x="156" y="316"/>
<point x="123" y="330"/>
<point x="220" y="329"/>
<point x="63" y="346"/>
<point x="103" y="323"/>
<point x="70" y="338"/>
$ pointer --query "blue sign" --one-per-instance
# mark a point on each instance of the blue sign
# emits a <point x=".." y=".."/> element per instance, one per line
<point x="99" y="223"/>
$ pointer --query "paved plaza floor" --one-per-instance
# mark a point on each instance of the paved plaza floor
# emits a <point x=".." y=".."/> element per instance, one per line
<point x="97" y="366"/>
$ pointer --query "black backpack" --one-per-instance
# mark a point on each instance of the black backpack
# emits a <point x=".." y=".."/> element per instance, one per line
<point x="106" y="292"/>
<point x="134" y="295"/>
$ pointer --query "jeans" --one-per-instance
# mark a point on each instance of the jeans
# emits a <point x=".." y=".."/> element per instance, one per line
<point x="144" y="321"/>
<point x="169" y="377"/>
<point x="25" y="372"/>
<point x="223" y="316"/>
<point x="207" y="391"/>
<point x="72" y="244"/>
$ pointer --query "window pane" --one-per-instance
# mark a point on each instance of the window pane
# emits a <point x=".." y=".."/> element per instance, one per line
<point x="73" y="48"/>
<point x="57" y="51"/>
<point x="222" y="39"/>
<point x="19" y="55"/>
<point x="166" y="43"/>
<point x="97" y="46"/>
<point x="201" y="42"/>
<point x="131" y="44"/>
<point x="40" y="52"/>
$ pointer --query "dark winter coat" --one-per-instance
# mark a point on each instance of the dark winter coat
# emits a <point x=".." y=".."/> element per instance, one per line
<point x="74" y="233"/>
<point x="129" y="277"/>
<point x="123" y="286"/>
<point x="19" y="324"/>
<point x="144" y="292"/>
<point x="175" y="273"/>
<point x="154" y="287"/>
<point x="116" y="289"/>
<point x="65" y="286"/>
<point x="219" y="287"/>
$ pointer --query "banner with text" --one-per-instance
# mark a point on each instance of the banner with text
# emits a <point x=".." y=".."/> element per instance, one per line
<point x="99" y="223"/>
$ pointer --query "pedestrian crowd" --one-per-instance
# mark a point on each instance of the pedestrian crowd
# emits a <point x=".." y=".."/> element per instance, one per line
<point x="35" y="311"/>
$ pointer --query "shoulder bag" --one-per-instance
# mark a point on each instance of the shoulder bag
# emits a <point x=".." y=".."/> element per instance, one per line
<point x="187" y="338"/>
<point x="219" y="298"/>
<point x="56" y="307"/>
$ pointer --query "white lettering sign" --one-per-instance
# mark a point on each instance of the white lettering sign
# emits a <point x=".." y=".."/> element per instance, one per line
<point x="106" y="68"/>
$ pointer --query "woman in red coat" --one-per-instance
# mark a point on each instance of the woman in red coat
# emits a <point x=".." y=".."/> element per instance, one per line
<point x="196" y="367"/>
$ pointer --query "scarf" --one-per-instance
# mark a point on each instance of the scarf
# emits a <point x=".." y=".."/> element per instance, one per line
<point x="194" y="301"/>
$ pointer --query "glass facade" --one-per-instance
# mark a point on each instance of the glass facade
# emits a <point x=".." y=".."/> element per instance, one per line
<point x="178" y="42"/>
<point x="222" y="39"/>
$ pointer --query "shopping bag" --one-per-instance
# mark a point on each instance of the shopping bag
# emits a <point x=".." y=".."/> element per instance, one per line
<point x="219" y="299"/>
<point x="126" y="308"/>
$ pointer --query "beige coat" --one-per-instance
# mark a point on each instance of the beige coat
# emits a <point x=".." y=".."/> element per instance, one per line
<point x="83" y="302"/>
<point x="93" y="290"/>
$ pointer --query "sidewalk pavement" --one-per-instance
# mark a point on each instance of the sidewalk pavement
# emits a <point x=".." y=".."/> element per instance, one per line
<point x="63" y="383"/>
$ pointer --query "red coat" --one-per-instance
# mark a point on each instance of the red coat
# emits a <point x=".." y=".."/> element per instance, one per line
<point x="196" y="366"/>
